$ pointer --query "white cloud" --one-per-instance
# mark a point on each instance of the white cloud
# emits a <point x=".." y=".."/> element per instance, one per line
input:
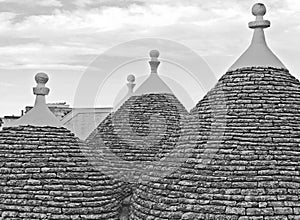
<point x="83" y="3"/>
<point x="49" y="3"/>
<point x="207" y="27"/>
<point x="107" y="19"/>
<point x="45" y="3"/>
<point x="39" y="56"/>
<point x="6" y="84"/>
<point x="67" y="35"/>
<point x="5" y="20"/>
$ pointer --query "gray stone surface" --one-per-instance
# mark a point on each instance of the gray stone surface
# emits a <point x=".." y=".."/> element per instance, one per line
<point x="44" y="174"/>
<point x="245" y="161"/>
<point x="143" y="130"/>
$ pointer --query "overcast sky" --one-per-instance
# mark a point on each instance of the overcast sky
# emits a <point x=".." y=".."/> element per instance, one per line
<point x="62" y="37"/>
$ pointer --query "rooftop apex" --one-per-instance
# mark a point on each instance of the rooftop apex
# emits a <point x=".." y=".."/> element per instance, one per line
<point x="39" y="115"/>
<point x="258" y="53"/>
<point x="153" y="84"/>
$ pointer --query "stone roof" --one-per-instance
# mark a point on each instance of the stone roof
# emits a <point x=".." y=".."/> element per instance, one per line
<point x="243" y="154"/>
<point x="144" y="129"/>
<point x="245" y="160"/>
<point x="45" y="174"/>
<point x="140" y="133"/>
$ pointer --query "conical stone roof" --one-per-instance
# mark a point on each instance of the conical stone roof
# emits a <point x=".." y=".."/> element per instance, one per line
<point x="143" y="130"/>
<point x="47" y="173"/>
<point x="243" y="154"/>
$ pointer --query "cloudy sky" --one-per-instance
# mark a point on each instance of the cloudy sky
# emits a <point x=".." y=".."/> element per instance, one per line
<point x="63" y="38"/>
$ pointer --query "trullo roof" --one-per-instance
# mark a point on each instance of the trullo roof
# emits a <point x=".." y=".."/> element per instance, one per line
<point x="243" y="151"/>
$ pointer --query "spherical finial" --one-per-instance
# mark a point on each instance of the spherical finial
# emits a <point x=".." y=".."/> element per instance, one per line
<point x="154" y="62"/>
<point x="259" y="9"/>
<point x="131" y="78"/>
<point x="41" y="78"/>
<point x="154" y="53"/>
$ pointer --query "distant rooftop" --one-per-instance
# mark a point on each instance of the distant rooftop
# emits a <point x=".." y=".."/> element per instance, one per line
<point x="59" y="109"/>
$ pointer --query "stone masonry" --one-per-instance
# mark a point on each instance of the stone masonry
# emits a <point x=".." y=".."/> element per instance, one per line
<point x="141" y="131"/>
<point x="245" y="136"/>
<point x="45" y="174"/>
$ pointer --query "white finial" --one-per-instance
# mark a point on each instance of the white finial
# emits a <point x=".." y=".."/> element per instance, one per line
<point x="153" y="84"/>
<point x="130" y="84"/>
<point x="259" y="10"/>
<point x="131" y="78"/>
<point x="154" y="54"/>
<point x="41" y="80"/>
<point x="258" y="53"/>
<point x="154" y="62"/>
<point x="39" y="115"/>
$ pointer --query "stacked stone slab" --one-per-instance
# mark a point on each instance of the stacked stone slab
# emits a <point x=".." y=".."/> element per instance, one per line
<point x="129" y="139"/>
<point x="244" y="142"/>
<point x="46" y="172"/>
<point x="250" y="170"/>
<point x="143" y="130"/>
<point x="45" y="175"/>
